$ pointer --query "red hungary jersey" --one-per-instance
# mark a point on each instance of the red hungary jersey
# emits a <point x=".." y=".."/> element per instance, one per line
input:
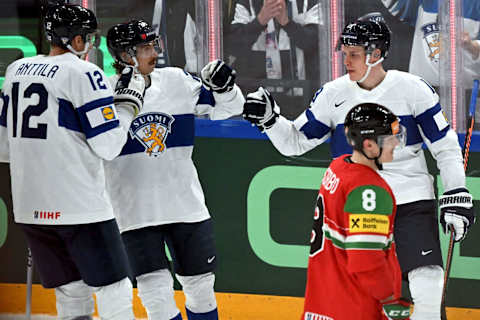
<point x="352" y="263"/>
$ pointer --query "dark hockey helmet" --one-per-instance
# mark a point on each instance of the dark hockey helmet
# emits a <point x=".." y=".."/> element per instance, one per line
<point x="63" y="22"/>
<point x="370" y="32"/>
<point x="125" y="37"/>
<point x="372" y="121"/>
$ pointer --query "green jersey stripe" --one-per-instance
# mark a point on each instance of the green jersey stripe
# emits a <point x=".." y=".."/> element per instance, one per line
<point x="376" y="242"/>
<point x="369" y="199"/>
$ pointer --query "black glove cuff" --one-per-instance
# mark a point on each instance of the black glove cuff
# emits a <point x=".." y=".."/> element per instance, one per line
<point x="457" y="190"/>
<point x="271" y="122"/>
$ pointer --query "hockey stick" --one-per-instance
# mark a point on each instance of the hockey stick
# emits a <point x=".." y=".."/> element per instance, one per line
<point x="28" y="307"/>
<point x="465" y="152"/>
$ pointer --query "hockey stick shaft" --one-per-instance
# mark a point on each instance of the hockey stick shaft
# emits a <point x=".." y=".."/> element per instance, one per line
<point x="465" y="152"/>
<point x="28" y="307"/>
<point x="471" y="120"/>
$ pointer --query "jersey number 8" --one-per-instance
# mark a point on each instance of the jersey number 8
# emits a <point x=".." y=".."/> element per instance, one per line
<point x="369" y="200"/>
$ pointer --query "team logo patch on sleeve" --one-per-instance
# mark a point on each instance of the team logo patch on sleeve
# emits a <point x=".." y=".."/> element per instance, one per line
<point x="151" y="130"/>
<point x="101" y="115"/>
<point x="440" y="120"/>
<point x="375" y="223"/>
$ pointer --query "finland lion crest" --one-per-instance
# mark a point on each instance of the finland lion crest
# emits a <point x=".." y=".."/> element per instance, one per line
<point x="151" y="130"/>
<point x="431" y="35"/>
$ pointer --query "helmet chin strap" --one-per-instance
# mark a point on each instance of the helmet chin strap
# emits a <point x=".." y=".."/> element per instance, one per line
<point x="82" y="53"/>
<point x="135" y="62"/>
<point x="370" y="65"/>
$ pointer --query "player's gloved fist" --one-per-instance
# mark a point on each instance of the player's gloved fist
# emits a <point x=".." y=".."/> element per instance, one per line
<point x="217" y="76"/>
<point x="456" y="209"/>
<point x="396" y="309"/>
<point x="261" y="109"/>
<point x="130" y="89"/>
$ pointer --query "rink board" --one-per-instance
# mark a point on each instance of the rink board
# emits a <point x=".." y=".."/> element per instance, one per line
<point x="262" y="204"/>
<point x="230" y="305"/>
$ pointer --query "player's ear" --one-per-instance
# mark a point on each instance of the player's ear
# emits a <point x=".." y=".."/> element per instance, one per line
<point x="127" y="58"/>
<point x="377" y="54"/>
<point x="368" y="144"/>
<point x="78" y="43"/>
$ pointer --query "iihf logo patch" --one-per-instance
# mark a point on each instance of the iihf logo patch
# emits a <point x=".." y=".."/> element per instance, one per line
<point x="431" y="35"/>
<point x="151" y="130"/>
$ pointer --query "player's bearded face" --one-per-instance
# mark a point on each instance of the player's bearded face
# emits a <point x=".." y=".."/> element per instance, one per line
<point x="354" y="61"/>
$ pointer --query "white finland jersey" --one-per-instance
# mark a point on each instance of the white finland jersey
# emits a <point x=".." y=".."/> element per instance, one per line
<point x="154" y="180"/>
<point x="57" y="123"/>
<point x="425" y="57"/>
<point x="412" y="100"/>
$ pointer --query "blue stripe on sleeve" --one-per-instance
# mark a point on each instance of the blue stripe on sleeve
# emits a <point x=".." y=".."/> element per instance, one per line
<point x="314" y="129"/>
<point x="471" y="10"/>
<point x="191" y="75"/>
<point x="430" y="6"/>
<point x="413" y="134"/>
<point x="338" y="142"/>
<point x="85" y="124"/>
<point x="405" y="10"/>
<point x="206" y="97"/>
<point x="182" y="135"/>
<point x="90" y="133"/>
<point x="183" y="131"/>
<point x="317" y="94"/>
<point x="429" y="126"/>
<point x="95" y="104"/>
<point x="67" y="116"/>
<point x="3" y="114"/>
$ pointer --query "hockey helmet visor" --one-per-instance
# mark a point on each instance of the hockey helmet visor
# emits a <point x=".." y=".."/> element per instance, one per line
<point x="397" y="139"/>
<point x="148" y="49"/>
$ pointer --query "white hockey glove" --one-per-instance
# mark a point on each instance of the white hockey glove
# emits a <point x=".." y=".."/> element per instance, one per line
<point x="129" y="90"/>
<point x="456" y="209"/>
<point x="217" y="76"/>
<point x="261" y="109"/>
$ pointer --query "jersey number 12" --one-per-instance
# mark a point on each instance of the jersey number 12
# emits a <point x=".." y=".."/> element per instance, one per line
<point x="26" y="131"/>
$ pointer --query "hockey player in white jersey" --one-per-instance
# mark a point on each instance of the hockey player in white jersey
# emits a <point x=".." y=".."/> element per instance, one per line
<point x="58" y="122"/>
<point x="425" y="57"/>
<point x="364" y="45"/>
<point x="154" y="185"/>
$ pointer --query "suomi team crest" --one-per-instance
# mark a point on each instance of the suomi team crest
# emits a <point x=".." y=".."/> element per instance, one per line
<point x="431" y="35"/>
<point x="151" y="130"/>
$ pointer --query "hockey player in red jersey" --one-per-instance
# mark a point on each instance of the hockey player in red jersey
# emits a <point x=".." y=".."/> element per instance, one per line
<point x="353" y="272"/>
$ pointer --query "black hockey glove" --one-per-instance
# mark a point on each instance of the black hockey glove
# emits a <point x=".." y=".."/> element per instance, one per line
<point x="217" y="76"/>
<point x="396" y="309"/>
<point x="130" y="90"/>
<point x="456" y="209"/>
<point x="261" y="109"/>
